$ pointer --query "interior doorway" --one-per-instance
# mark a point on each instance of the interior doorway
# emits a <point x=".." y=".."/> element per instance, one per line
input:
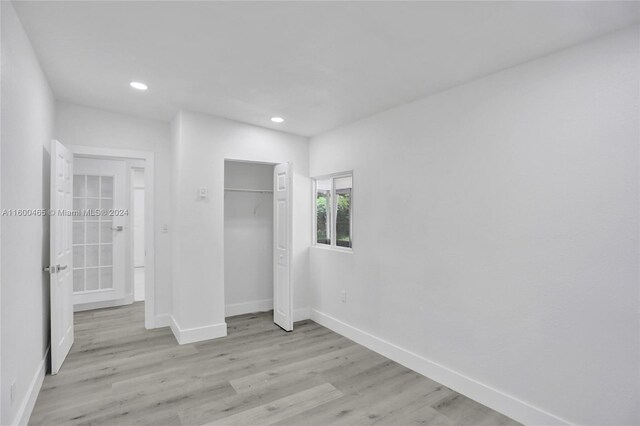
<point x="100" y="233"/>
<point x="248" y="237"/>
<point x="106" y="248"/>
<point x="91" y="239"/>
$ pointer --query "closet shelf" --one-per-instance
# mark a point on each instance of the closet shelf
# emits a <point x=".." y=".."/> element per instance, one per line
<point x="249" y="190"/>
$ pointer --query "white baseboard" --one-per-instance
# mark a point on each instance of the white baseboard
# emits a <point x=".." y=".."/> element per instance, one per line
<point x="128" y="300"/>
<point x="197" y="334"/>
<point x="248" y="307"/>
<point x="162" y="320"/>
<point x="29" y="401"/>
<point x="484" y="394"/>
<point x="301" y="314"/>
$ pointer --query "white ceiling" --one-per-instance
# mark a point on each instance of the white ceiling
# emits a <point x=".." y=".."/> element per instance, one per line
<point x="317" y="64"/>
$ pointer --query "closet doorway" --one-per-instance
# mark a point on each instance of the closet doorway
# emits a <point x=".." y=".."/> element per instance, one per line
<point x="248" y="237"/>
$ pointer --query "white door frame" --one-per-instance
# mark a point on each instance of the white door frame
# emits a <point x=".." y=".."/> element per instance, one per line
<point x="149" y="215"/>
<point x="134" y="165"/>
<point x="274" y="164"/>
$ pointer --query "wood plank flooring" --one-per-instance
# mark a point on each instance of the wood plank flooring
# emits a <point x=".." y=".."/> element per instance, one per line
<point x="118" y="373"/>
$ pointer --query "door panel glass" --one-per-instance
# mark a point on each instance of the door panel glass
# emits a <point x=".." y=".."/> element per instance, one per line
<point x="106" y="255"/>
<point x="78" y="280"/>
<point x="78" y="256"/>
<point x="93" y="186"/>
<point x="79" y="185"/>
<point x="91" y="279"/>
<point x="78" y="233"/>
<point x="92" y="233"/>
<point x="106" y="186"/>
<point x="78" y="206"/>
<point x="92" y="204"/>
<point x="91" y="256"/>
<point x="106" y="278"/>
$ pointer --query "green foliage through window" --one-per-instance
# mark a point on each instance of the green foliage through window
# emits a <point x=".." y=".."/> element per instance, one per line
<point x="333" y="203"/>
<point x="323" y="235"/>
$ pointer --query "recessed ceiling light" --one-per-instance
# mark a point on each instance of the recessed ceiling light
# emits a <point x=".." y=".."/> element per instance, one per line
<point x="277" y="119"/>
<point x="137" y="85"/>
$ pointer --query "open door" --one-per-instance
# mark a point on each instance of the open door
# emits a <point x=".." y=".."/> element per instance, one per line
<point x="282" y="294"/>
<point x="99" y="241"/>
<point x="60" y="268"/>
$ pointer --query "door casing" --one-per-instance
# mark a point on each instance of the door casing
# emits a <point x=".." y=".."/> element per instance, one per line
<point x="150" y="318"/>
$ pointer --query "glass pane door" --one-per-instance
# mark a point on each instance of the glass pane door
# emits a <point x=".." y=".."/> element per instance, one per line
<point x="92" y="233"/>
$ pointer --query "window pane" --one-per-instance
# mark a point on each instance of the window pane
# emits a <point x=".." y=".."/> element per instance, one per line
<point x="78" y="280"/>
<point x="78" y="185"/>
<point x="78" y="256"/>
<point x="106" y="186"/>
<point x="92" y="232"/>
<point x="91" y="279"/>
<point x="106" y="254"/>
<point x="93" y="204"/>
<point x="93" y="185"/>
<point x="78" y="206"/>
<point x="106" y="204"/>
<point x="78" y="233"/>
<point x="323" y="214"/>
<point x="91" y="256"/>
<point x="106" y="277"/>
<point x="343" y="211"/>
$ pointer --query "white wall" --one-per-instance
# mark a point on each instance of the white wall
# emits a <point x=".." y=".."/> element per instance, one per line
<point x="200" y="145"/>
<point x="248" y="238"/>
<point x="78" y="125"/>
<point x="496" y="234"/>
<point x="27" y="129"/>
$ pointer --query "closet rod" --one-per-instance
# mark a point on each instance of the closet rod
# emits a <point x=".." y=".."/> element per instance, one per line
<point x="248" y="190"/>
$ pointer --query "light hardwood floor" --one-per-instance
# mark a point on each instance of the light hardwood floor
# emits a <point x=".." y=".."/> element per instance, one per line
<point x="118" y="373"/>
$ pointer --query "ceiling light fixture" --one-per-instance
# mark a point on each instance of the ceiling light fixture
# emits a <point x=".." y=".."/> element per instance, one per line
<point x="277" y="119"/>
<point x="137" y="85"/>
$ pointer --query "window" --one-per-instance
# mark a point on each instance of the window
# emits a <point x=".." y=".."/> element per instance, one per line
<point x="333" y="210"/>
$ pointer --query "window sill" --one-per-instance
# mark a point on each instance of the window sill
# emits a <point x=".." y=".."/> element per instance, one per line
<point x="332" y="248"/>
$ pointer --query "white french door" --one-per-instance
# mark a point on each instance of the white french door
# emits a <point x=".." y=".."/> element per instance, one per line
<point x="100" y="192"/>
<point x="282" y="293"/>
<point x="60" y="260"/>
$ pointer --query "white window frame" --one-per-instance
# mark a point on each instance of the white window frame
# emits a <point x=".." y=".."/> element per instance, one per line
<point x="333" y="212"/>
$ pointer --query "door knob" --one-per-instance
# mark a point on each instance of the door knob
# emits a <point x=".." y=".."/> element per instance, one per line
<point x="117" y="228"/>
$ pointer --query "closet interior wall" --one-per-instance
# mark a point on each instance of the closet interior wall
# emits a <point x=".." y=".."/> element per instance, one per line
<point x="248" y="237"/>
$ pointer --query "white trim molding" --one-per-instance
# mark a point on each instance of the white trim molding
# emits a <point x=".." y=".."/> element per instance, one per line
<point x="248" y="307"/>
<point x="149" y="216"/>
<point x="29" y="401"/>
<point x="197" y="334"/>
<point x="493" y="398"/>
<point x="79" y="307"/>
